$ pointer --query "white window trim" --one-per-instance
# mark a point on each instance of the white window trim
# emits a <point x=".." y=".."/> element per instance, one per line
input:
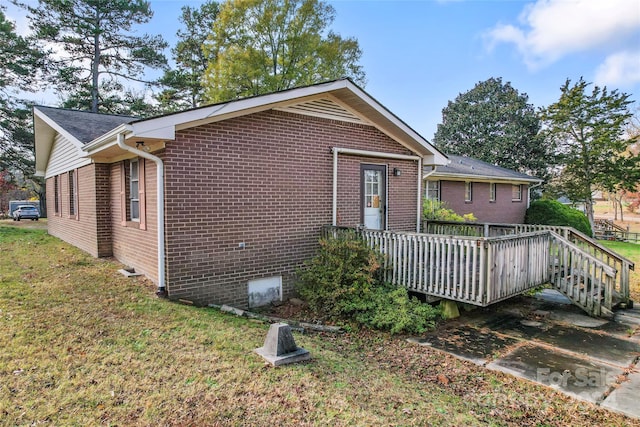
<point x="519" y="198"/>
<point x="134" y="197"/>
<point x="428" y="190"/>
<point x="468" y="191"/>
<point x="493" y="189"/>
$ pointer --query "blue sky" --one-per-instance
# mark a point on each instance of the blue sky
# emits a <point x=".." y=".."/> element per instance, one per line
<point x="420" y="54"/>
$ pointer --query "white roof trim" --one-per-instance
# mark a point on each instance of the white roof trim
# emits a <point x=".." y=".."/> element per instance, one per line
<point x="55" y="126"/>
<point x="479" y="178"/>
<point x="44" y="125"/>
<point x="164" y="127"/>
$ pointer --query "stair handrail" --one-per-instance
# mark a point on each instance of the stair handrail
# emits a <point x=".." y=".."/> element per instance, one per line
<point x="607" y="286"/>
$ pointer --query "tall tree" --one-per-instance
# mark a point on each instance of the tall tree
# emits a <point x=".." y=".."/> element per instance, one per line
<point x="20" y="60"/>
<point x="495" y="123"/>
<point x="261" y="46"/>
<point x="94" y="43"/>
<point x="183" y="84"/>
<point x="589" y="131"/>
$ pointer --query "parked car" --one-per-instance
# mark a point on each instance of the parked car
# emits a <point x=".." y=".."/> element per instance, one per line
<point x="26" y="212"/>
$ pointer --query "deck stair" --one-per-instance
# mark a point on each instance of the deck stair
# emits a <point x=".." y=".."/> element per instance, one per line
<point x="609" y="230"/>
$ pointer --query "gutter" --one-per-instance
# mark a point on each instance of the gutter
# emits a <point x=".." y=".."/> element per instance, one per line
<point x="162" y="290"/>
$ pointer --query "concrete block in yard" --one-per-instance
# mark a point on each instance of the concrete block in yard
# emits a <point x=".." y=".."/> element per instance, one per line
<point x="449" y="309"/>
<point x="280" y="348"/>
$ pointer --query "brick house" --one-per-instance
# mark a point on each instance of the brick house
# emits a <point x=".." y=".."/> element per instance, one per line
<point x="491" y="193"/>
<point x="236" y="193"/>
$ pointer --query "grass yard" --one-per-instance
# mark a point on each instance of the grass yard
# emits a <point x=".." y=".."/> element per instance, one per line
<point x="83" y="346"/>
<point x="630" y="251"/>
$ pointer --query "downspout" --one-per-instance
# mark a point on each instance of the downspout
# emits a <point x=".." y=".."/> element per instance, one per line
<point x="162" y="290"/>
<point x="335" y="188"/>
<point x="529" y="188"/>
<point x="420" y="179"/>
<point x="419" y="213"/>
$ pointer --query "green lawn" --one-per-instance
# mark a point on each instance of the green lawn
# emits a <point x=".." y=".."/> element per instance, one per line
<point x="630" y="251"/>
<point x="80" y="345"/>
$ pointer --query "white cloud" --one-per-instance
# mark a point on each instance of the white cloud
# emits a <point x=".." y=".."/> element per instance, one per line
<point x="619" y="69"/>
<point x="551" y="29"/>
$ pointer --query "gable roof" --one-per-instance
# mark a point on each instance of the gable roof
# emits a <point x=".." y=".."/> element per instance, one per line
<point x="75" y="127"/>
<point x="95" y="135"/>
<point x="348" y="103"/>
<point x="84" y="126"/>
<point x="463" y="167"/>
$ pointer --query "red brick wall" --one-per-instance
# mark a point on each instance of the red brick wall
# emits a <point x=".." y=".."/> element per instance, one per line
<point x="503" y="210"/>
<point x="81" y="232"/>
<point x="132" y="246"/>
<point x="401" y="194"/>
<point x="264" y="180"/>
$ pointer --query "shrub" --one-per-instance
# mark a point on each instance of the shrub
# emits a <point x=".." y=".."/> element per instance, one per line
<point x="552" y="212"/>
<point x="436" y="210"/>
<point x="344" y="282"/>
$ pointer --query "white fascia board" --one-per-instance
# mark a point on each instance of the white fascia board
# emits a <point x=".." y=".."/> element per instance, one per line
<point x="107" y="140"/>
<point x="432" y="155"/>
<point x="164" y="127"/>
<point x="479" y="178"/>
<point x="55" y="126"/>
<point x="46" y="129"/>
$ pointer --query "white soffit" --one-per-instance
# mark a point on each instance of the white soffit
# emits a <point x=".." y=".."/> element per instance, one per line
<point x="324" y="108"/>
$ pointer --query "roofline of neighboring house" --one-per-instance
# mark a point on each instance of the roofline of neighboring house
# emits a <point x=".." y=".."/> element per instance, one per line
<point x="164" y="127"/>
<point x="480" y="178"/>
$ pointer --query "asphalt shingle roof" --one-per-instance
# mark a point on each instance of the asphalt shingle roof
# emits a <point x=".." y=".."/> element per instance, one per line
<point x="84" y="125"/>
<point x="461" y="165"/>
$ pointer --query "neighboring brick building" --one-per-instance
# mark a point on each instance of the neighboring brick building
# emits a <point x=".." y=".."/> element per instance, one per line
<point x="491" y="193"/>
<point x="245" y="186"/>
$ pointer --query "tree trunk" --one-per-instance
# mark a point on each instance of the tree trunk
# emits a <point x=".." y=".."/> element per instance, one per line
<point x="95" y="66"/>
<point x="588" y="207"/>
<point x="621" y="209"/>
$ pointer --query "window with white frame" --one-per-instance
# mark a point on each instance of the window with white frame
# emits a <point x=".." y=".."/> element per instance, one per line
<point x="134" y="186"/>
<point x="468" y="191"/>
<point x="492" y="192"/>
<point x="73" y="193"/>
<point x="56" y="194"/>
<point x="516" y="193"/>
<point x="432" y="190"/>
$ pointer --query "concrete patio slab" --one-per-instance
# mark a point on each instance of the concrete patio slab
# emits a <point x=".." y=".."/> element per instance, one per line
<point x="577" y="319"/>
<point x="584" y="379"/>
<point x="468" y="343"/>
<point x="553" y="296"/>
<point x="597" y="346"/>
<point x="515" y="326"/>
<point x="624" y="398"/>
<point x="546" y="340"/>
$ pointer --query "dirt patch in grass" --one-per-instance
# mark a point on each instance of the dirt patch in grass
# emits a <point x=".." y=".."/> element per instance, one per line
<point x="82" y="345"/>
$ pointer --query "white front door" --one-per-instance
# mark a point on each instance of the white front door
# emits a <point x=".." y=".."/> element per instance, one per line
<point x="373" y="196"/>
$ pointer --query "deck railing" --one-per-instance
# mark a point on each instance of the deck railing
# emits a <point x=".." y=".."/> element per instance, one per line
<point x="484" y="270"/>
<point x="620" y="264"/>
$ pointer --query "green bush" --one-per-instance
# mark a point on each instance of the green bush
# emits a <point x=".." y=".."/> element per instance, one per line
<point x="552" y="212"/>
<point x="436" y="210"/>
<point x="344" y="282"/>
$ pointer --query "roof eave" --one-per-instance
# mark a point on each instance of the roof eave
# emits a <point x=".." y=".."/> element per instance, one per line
<point x="45" y="128"/>
<point x="487" y="178"/>
<point x="164" y="127"/>
<point x="106" y="140"/>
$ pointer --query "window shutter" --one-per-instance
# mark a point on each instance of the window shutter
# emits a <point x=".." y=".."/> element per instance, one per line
<point x="141" y="193"/>
<point x="123" y="195"/>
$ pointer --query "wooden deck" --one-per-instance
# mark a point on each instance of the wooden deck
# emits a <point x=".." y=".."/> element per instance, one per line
<point x="482" y="264"/>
